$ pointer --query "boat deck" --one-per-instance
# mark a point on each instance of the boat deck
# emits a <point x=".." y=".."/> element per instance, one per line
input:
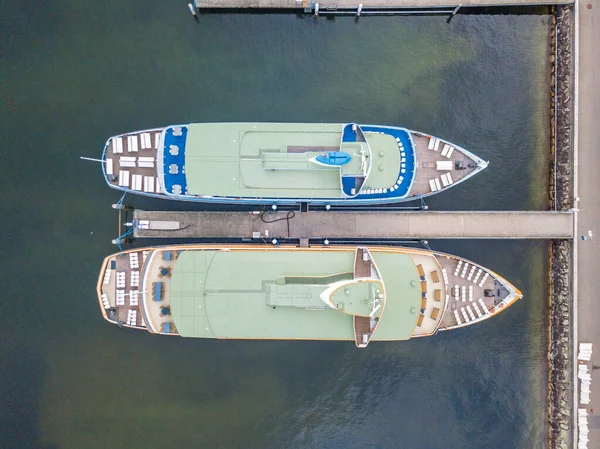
<point x="427" y="161"/>
<point x="120" y="289"/>
<point x="466" y="285"/>
<point x="131" y="161"/>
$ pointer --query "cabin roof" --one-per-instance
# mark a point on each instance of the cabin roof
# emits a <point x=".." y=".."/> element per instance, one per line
<point x="260" y="294"/>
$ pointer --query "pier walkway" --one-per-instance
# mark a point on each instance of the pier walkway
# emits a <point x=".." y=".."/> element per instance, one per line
<point x="368" y="4"/>
<point x="355" y="225"/>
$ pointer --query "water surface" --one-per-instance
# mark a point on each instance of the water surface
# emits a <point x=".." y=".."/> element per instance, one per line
<point x="74" y="73"/>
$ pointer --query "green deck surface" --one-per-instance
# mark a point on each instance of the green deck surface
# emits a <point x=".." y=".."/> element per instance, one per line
<point x="263" y="160"/>
<point x="246" y="294"/>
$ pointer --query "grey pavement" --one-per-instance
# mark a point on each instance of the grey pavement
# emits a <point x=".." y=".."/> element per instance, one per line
<point x="588" y="251"/>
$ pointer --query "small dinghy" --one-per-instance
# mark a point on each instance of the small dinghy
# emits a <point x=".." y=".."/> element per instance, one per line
<point x="336" y="158"/>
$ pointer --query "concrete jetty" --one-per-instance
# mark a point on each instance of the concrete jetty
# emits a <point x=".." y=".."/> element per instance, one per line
<point x="355" y="225"/>
<point x="368" y="4"/>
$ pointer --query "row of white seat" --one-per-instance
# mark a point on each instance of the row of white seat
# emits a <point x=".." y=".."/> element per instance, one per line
<point x="132" y="317"/>
<point x="585" y="351"/>
<point x="434" y="184"/>
<point x="120" y="279"/>
<point x="132" y="143"/>
<point x="148" y="184"/>
<point x="379" y="191"/>
<point x="584" y="430"/>
<point x="470" y="276"/>
<point x="434" y="145"/>
<point x="107" y="274"/>
<point x="445" y="276"/>
<point x="462" y="293"/>
<point x="447" y="179"/>
<point x="586" y="384"/>
<point x="134" y="261"/>
<point x="468" y="314"/>
<point x="105" y="302"/>
<point x="135" y="278"/>
<point x="120" y="297"/>
<point x="128" y="162"/>
<point x="134" y="296"/>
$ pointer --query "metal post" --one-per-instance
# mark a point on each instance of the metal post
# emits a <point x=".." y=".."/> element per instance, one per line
<point x="316" y="9"/>
<point x="358" y="11"/>
<point x="456" y="10"/>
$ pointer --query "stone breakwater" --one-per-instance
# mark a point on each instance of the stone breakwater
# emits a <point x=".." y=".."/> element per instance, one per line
<point x="560" y="386"/>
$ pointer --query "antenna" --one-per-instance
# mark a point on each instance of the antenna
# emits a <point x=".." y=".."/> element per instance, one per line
<point x="92" y="159"/>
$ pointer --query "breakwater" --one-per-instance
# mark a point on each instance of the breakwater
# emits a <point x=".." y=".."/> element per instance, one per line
<point x="561" y="198"/>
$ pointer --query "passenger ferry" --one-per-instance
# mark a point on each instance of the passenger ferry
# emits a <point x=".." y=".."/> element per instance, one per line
<point x="354" y="293"/>
<point x="285" y="163"/>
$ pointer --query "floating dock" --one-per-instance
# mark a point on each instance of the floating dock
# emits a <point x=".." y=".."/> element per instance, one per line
<point x="353" y="225"/>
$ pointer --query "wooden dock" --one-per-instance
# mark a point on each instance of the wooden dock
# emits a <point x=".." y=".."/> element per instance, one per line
<point x="353" y="225"/>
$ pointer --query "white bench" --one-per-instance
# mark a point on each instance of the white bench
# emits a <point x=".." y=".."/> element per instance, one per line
<point x="484" y="279"/>
<point x="132" y="144"/>
<point x="464" y="270"/>
<point x="431" y="143"/>
<point x="109" y="166"/>
<point x="457" y="317"/>
<point x="458" y="268"/>
<point x="117" y="145"/>
<point x="486" y="310"/>
<point x="432" y="185"/>
<point x="450" y="151"/>
<point x="149" y="184"/>
<point x="443" y="165"/>
<point x="136" y="182"/>
<point x="470" y="276"/>
<point x="123" y="178"/>
<point x="465" y="315"/>
<point x="471" y="314"/>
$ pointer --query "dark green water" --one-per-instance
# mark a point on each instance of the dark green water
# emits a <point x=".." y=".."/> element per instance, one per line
<point x="74" y="73"/>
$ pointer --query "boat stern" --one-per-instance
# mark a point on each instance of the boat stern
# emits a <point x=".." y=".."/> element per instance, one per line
<point x="131" y="162"/>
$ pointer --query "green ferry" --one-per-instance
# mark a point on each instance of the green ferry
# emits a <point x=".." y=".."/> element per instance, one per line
<point x="355" y="293"/>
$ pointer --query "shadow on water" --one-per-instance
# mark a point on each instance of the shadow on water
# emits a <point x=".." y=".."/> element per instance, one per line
<point x="22" y="371"/>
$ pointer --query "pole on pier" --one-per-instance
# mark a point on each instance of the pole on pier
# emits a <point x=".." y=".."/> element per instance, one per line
<point x="91" y="159"/>
<point x="454" y="12"/>
<point x="316" y="9"/>
<point x="358" y="11"/>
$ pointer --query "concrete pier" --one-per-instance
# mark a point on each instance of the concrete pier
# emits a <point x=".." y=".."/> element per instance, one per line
<point x="368" y="4"/>
<point x="355" y="225"/>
